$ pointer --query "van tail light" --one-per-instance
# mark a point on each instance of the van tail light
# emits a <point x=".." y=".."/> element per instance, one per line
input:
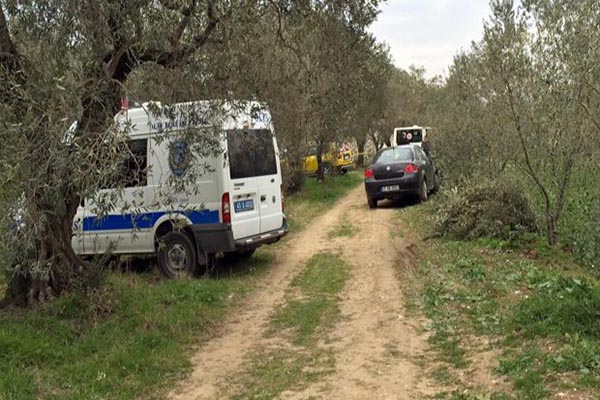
<point x="282" y="199"/>
<point x="124" y="104"/>
<point x="369" y="173"/>
<point x="226" y="208"/>
<point x="411" y="169"/>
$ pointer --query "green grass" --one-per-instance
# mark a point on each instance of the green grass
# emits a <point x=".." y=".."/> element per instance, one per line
<point x="317" y="197"/>
<point x="303" y="321"/>
<point x="535" y="304"/>
<point x="134" y="337"/>
<point x="131" y="339"/>
<point x="342" y="230"/>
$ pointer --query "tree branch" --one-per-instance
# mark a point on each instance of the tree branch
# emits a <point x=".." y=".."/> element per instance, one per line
<point x="590" y="115"/>
<point x="202" y="38"/>
<point x="520" y="134"/>
<point x="168" y="58"/>
<point x="8" y="51"/>
<point x="183" y="24"/>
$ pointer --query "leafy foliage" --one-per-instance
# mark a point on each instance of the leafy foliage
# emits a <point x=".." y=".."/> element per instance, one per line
<point x="485" y="209"/>
<point x="523" y="102"/>
<point x="61" y="61"/>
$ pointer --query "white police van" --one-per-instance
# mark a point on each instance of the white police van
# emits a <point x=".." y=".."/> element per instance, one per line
<point x="232" y="206"/>
<point x="409" y="134"/>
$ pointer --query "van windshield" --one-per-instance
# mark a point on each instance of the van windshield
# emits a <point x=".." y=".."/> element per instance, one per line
<point x="251" y="153"/>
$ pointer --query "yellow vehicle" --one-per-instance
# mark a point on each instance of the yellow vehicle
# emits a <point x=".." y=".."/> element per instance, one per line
<point x="335" y="161"/>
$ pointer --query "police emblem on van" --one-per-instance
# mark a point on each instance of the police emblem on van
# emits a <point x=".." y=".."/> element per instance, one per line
<point x="179" y="157"/>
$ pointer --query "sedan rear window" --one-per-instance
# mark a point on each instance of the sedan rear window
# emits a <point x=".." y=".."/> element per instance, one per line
<point x="393" y="154"/>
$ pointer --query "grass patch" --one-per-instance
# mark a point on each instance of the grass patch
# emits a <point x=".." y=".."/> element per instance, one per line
<point x="317" y="197"/>
<point x="118" y="342"/>
<point x="280" y="370"/>
<point x="533" y="303"/>
<point x="342" y="230"/>
<point x="303" y="322"/>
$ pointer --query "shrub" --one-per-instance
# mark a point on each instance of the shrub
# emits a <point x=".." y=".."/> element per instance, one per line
<point x="495" y="209"/>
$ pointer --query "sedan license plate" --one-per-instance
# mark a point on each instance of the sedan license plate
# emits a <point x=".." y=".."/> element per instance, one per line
<point x="392" y="188"/>
<point x="244" y="205"/>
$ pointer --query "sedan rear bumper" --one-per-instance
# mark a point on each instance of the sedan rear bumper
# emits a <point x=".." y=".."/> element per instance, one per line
<point x="406" y="186"/>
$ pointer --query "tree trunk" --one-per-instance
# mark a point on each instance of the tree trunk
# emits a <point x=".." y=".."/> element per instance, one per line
<point x="551" y="229"/>
<point x="53" y="265"/>
<point x="360" y="160"/>
<point x="320" y="169"/>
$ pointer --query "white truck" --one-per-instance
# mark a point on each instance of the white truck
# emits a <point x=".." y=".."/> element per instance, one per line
<point x="231" y="202"/>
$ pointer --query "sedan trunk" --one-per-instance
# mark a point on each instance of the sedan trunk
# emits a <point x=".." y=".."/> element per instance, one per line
<point x="388" y="171"/>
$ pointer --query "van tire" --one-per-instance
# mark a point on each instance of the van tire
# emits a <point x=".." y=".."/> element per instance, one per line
<point x="176" y="255"/>
<point x="327" y="169"/>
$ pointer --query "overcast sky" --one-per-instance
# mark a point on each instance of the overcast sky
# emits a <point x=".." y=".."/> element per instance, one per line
<point x="429" y="33"/>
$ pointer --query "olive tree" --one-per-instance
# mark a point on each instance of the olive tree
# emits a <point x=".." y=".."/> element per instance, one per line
<point x="64" y="61"/>
<point x="527" y="58"/>
<point x="522" y="102"/>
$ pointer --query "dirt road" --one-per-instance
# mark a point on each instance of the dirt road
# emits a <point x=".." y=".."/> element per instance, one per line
<point x="376" y="345"/>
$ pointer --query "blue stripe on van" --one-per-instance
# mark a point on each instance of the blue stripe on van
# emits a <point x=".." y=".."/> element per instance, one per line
<point x="144" y="220"/>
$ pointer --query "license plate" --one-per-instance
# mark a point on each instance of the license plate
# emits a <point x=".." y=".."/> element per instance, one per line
<point x="390" y="188"/>
<point x="346" y="157"/>
<point x="244" y="205"/>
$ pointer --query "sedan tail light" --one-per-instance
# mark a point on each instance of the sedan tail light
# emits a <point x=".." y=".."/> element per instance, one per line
<point x="369" y="174"/>
<point x="411" y="169"/>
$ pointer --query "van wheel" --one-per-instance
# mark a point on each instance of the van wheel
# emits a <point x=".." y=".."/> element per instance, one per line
<point x="327" y="169"/>
<point x="176" y="255"/>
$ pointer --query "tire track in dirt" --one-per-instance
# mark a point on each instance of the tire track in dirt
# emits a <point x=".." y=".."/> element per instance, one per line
<point x="376" y="345"/>
<point x="221" y="357"/>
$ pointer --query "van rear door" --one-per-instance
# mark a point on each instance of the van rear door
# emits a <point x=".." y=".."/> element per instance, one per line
<point x="255" y="182"/>
<point x="243" y="191"/>
<point x="269" y="183"/>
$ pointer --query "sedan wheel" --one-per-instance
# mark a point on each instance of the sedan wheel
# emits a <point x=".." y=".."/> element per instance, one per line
<point x="423" y="192"/>
<point x="372" y="202"/>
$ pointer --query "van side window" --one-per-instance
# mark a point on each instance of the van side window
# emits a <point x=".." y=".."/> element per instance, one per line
<point x="251" y="153"/>
<point x="135" y="171"/>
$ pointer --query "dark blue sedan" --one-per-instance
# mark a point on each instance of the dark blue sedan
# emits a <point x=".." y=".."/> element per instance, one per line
<point x="400" y="171"/>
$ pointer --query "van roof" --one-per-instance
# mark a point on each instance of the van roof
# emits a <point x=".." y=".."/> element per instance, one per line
<point x="155" y="117"/>
<point x="410" y="127"/>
